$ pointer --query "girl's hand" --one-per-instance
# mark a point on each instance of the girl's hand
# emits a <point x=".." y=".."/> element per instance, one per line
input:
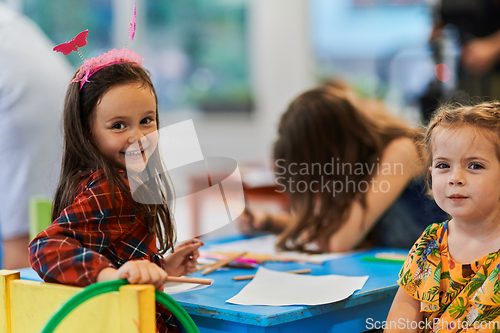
<point x="136" y="272"/>
<point x="251" y="221"/>
<point x="184" y="258"/>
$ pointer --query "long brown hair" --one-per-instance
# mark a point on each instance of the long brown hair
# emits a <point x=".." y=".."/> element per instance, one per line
<point x="320" y="127"/>
<point x="81" y="155"/>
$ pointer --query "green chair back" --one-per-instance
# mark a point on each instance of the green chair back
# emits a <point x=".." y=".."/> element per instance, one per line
<point x="39" y="214"/>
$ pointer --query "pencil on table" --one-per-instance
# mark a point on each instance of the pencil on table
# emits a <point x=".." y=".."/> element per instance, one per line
<point x="222" y="262"/>
<point x="236" y="264"/>
<point x="249" y="277"/>
<point x="205" y="266"/>
<point x="278" y="257"/>
<point x="285" y="258"/>
<point x="230" y="265"/>
<point x="189" y="280"/>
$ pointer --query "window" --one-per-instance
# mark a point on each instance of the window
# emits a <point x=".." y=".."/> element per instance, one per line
<point x="197" y="51"/>
<point x="378" y="46"/>
<point x="63" y="20"/>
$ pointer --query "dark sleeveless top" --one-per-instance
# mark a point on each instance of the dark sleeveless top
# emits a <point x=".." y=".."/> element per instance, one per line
<point x="408" y="217"/>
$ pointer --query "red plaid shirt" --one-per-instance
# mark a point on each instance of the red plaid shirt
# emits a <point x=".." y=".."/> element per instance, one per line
<point x="88" y="237"/>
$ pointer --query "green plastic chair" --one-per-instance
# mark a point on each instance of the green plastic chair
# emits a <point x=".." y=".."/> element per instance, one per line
<point x="40" y="211"/>
<point x="104" y="287"/>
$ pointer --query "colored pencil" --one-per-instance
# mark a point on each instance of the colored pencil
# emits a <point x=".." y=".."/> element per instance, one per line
<point x="205" y="266"/>
<point x="386" y="257"/>
<point x="219" y="256"/>
<point x="276" y="257"/>
<point x="249" y="277"/>
<point x="222" y="262"/>
<point x="189" y="280"/>
<point x="234" y="264"/>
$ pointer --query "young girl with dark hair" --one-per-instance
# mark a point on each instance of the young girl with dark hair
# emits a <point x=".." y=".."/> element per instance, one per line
<point x="99" y="232"/>
<point x="352" y="172"/>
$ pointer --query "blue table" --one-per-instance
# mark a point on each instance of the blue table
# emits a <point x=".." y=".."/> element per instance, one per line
<point x="358" y="313"/>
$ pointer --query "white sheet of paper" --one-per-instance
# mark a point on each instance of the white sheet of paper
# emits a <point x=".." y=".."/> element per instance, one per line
<point x="279" y="288"/>
<point x="178" y="287"/>
<point x="266" y="245"/>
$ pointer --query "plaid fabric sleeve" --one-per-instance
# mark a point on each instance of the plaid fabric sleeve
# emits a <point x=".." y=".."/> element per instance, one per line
<point x="70" y="250"/>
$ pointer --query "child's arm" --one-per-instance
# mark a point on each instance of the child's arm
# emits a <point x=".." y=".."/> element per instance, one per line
<point x="59" y="258"/>
<point x="404" y="311"/>
<point x="400" y="156"/>
<point x="183" y="260"/>
<point x="88" y="237"/>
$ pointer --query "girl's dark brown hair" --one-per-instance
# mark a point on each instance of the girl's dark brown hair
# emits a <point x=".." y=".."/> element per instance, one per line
<point x="81" y="155"/>
<point x="483" y="117"/>
<point x="321" y="126"/>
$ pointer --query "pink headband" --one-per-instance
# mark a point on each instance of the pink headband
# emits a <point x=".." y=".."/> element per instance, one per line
<point x="91" y="66"/>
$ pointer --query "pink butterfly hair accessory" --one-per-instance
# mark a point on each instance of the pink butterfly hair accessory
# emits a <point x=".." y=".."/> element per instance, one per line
<point x="91" y="66"/>
<point x="78" y="41"/>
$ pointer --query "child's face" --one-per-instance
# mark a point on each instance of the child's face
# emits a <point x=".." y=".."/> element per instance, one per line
<point x="123" y="118"/>
<point x="465" y="174"/>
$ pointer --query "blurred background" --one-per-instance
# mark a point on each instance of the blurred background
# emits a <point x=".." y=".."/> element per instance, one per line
<point x="233" y="65"/>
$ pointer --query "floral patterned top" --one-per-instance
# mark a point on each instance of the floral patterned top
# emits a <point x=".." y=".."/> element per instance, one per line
<point x="454" y="297"/>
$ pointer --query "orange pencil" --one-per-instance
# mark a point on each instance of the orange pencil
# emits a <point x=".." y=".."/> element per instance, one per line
<point x="188" y="280"/>
<point x="205" y="266"/>
<point x="223" y="262"/>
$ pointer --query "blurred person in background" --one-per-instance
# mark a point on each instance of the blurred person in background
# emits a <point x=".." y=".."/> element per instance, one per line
<point x="353" y="173"/>
<point x="477" y="25"/>
<point x="33" y="80"/>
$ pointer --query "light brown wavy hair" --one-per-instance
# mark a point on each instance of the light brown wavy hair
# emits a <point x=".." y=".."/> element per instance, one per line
<point x="81" y="155"/>
<point x="322" y="125"/>
<point x="484" y="118"/>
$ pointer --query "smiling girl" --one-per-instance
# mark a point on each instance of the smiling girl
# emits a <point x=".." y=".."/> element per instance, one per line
<point x="449" y="281"/>
<point x="99" y="232"/>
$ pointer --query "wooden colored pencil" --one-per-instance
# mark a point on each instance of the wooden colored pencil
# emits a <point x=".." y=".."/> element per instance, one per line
<point x="249" y="277"/>
<point x="189" y="280"/>
<point x="223" y="262"/>
<point x="236" y="264"/>
<point x="230" y="265"/>
<point x="205" y="266"/>
<point x="277" y="257"/>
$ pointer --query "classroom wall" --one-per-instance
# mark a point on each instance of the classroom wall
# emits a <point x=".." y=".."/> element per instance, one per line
<point x="281" y="68"/>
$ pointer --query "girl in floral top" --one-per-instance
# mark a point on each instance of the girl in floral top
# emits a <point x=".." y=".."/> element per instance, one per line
<point x="450" y="281"/>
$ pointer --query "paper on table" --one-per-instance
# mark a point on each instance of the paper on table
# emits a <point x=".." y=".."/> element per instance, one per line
<point x="266" y="245"/>
<point x="279" y="288"/>
<point x="178" y="287"/>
